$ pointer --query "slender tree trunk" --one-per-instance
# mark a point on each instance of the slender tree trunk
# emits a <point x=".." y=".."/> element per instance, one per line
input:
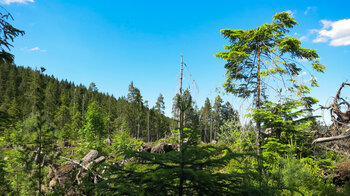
<point x="211" y="130"/>
<point x="205" y="135"/>
<point x="182" y="162"/>
<point x="109" y="118"/>
<point x="258" y="122"/>
<point x="258" y="92"/>
<point x="181" y="73"/>
<point x="39" y="160"/>
<point x="181" y="76"/>
<point x="134" y="134"/>
<point x="75" y="91"/>
<point x="148" y="136"/>
<point x="82" y="108"/>
<point x="17" y="187"/>
<point x="159" y="127"/>
<point x="215" y="129"/>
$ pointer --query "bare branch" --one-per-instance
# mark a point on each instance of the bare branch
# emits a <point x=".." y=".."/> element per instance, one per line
<point x="340" y="119"/>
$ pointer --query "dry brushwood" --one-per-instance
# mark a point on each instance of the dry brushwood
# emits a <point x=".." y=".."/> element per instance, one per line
<point x="340" y="119"/>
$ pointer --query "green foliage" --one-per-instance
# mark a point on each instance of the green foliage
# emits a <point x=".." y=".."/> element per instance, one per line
<point x="35" y="108"/>
<point x="191" y="114"/>
<point x="94" y="130"/>
<point x="300" y="176"/>
<point x="285" y="121"/>
<point x="206" y="121"/>
<point x="240" y="138"/>
<point x="5" y="184"/>
<point x="8" y="34"/>
<point x="160" y="174"/>
<point x="265" y="51"/>
<point x="76" y="123"/>
<point x="122" y="143"/>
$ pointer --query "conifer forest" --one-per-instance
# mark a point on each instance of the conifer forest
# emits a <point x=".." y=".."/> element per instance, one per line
<point x="58" y="137"/>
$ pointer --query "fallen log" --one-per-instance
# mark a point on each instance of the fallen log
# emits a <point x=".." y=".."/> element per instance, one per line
<point x="333" y="138"/>
<point x="92" y="155"/>
<point x="82" y="166"/>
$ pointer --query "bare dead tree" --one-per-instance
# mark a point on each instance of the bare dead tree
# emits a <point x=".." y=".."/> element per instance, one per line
<point x="340" y="118"/>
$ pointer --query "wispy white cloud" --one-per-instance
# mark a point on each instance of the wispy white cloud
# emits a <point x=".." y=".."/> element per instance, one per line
<point x="306" y="37"/>
<point x="303" y="38"/>
<point x="337" y="32"/>
<point x="309" y="9"/>
<point x="320" y="40"/>
<point x="16" y="1"/>
<point x="34" y="49"/>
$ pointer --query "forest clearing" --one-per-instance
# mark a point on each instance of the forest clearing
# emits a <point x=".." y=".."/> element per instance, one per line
<point x="61" y="137"/>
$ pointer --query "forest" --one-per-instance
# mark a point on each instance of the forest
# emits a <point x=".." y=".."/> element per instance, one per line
<point x="61" y="138"/>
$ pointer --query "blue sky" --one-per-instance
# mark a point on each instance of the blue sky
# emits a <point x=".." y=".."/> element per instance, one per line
<point x="115" y="42"/>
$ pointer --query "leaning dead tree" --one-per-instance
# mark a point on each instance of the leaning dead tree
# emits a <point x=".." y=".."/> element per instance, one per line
<point x="340" y="114"/>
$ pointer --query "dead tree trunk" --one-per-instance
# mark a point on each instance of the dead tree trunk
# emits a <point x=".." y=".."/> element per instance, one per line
<point x="333" y="138"/>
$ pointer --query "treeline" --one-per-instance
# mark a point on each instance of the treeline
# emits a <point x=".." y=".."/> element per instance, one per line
<point x="209" y="119"/>
<point x="65" y="104"/>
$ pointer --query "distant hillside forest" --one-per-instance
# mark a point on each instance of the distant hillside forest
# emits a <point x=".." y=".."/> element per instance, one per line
<point x="23" y="91"/>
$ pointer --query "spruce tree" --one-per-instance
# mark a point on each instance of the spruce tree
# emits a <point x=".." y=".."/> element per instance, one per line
<point x="261" y="52"/>
<point x="159" y="108"/>
<point x="206" y="120"/>
<point x="136" y="106"/>
<point x="217" y="115"/>
<point x="94" y="129"/>
<point x="51" y="99"/>
<point x="7" y="36"/>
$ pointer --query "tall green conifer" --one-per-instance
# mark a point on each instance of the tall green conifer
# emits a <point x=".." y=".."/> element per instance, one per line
<point x="261" y="52"/>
